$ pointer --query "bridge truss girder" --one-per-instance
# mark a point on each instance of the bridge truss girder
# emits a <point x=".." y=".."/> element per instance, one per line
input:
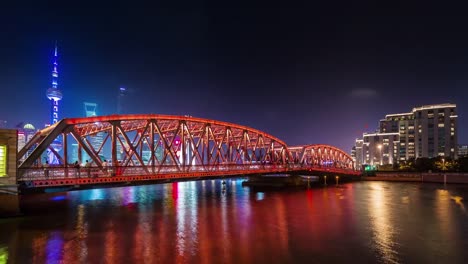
<point x="178" y="141"/>
<point x="321" y="155"/>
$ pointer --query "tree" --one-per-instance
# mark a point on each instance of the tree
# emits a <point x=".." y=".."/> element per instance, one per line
<point x="407" y="165"/>
<point x="445" y="165"/>
<point x="424" y="164"/>
<point x="463" y="164"/>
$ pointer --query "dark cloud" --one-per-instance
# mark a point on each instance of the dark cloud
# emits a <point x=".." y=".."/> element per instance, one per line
<point x="364" y="93"/>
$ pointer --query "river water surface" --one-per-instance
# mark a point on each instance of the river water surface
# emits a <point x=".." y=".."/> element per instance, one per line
<point x="209" y="222"/>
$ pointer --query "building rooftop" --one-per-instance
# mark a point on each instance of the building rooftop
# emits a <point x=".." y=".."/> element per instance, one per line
<point x="29" y="126"/>
<point x="435" y="106"/>
<point x="380" y="134"/>
<point x="402" y="114"/>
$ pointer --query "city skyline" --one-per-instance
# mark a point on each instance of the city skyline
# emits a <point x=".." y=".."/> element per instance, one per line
<point x="302" y="80"/>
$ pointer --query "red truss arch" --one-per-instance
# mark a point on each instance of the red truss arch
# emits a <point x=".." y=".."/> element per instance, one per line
<point x="322" y="156"/>
<point x="154" y="143"/>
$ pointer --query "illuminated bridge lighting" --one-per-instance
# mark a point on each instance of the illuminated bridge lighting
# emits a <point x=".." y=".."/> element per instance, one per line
<point x="156" y="147"/>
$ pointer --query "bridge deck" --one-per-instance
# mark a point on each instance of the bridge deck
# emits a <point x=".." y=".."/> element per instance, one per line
<point x="65" y="176"/>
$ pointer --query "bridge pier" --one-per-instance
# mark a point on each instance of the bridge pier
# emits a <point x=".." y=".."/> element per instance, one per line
<point x="290" y="180"/>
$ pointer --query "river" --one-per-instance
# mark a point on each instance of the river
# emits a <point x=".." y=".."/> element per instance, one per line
<point x="211" y="222"/>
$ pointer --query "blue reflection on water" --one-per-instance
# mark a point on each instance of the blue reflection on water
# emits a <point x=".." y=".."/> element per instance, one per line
<point x="260" y="196"/>
<point x="58" y="198"/>
<point x="54" y="248"/>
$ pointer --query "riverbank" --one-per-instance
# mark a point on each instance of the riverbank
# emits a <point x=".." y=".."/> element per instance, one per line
<point x="419" y="177"/>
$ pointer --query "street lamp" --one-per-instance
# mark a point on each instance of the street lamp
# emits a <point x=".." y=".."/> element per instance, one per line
<point x="443" y="169"/>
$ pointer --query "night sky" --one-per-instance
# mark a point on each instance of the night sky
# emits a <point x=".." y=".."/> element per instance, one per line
<point x="306" y="73"/>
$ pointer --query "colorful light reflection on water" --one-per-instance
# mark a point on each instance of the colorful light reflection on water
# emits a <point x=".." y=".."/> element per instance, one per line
<point x="212" y="222"/>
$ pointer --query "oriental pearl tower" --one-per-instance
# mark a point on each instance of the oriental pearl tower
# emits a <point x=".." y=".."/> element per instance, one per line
<point x="54" y="95"/>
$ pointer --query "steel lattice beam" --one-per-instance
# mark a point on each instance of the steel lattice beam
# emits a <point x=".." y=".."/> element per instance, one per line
<point x="154" y="145"/>
<point x="319" y="154"/>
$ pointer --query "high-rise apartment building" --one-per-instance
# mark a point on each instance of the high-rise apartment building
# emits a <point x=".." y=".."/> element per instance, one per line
<point x="427" y="131"/>
<point x="97" y="139"/>
<point x="377" y="149"/>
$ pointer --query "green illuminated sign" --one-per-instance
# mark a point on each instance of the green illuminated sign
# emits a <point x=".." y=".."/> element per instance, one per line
<point x="3" y="161"/>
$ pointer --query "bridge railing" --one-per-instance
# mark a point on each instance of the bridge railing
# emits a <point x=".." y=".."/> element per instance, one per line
<point x="55" y="172"/>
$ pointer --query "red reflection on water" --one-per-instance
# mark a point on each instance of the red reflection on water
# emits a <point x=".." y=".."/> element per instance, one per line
<point x="175" y="191"/>
<point x="198" y="222"/>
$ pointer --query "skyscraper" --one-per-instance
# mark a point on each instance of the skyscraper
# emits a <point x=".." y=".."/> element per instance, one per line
<point x="120" y="109"/>
<point x="54" y="95"/>
<point x="120" y="100"/>
<point x="97" y="139"/>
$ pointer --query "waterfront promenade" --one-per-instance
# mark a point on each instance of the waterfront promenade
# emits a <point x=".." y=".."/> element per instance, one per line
<point x="438" y="177"/>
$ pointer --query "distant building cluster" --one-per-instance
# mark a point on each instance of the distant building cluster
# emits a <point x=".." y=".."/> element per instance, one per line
<point x="25" y="133"/>
<point x="427" y="131"/>
<point x="462" y="150"/>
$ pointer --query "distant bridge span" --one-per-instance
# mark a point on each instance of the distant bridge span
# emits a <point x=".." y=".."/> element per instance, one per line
<point x="155" y="147"/>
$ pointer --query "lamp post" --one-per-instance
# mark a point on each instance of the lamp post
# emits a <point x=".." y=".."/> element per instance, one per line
<point x="443" y="169"/>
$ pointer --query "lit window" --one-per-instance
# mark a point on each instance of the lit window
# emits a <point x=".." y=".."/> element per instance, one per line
<point x="441" y="125"/>
<point x="3" y="160"/>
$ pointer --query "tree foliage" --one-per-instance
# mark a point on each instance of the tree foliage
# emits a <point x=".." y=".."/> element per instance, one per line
<point x="437" y="164"/>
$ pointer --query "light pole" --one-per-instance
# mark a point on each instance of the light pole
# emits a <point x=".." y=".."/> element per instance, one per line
<point x="443" y="169"/>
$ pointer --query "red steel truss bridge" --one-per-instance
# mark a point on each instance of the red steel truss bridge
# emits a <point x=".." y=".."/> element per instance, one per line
<point x="161" y="147"/>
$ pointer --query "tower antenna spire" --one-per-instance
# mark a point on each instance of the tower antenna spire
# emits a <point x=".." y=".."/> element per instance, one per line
<point x="53" y="93"/>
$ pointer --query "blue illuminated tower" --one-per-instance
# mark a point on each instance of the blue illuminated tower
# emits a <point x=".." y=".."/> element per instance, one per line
<point x="54" y="95"/>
